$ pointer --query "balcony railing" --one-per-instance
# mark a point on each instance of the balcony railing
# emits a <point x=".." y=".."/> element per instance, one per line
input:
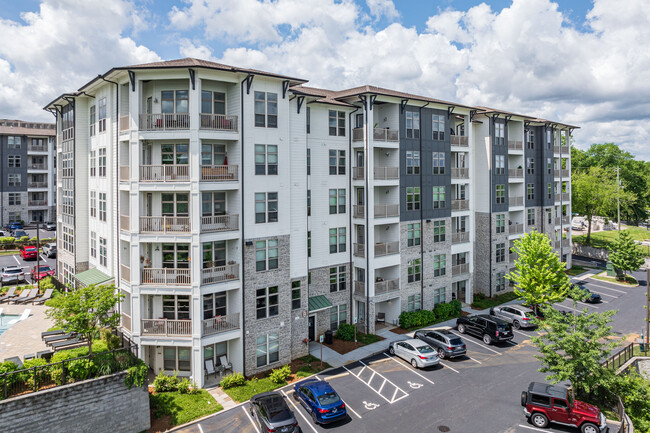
<point x="386" y="286"/>
<point x="220" y="223"/>
<point x="386" y="248"/>
<point x="516" y="200"/>
<point x="357" y="134"/>
<point x="461" y="269"/>
<point x="460" y="172"/>
<point x="219" y="173"/>
<point x="516" y="228"/>
<point x="219" y="122"/>
<point x="530" y="228"/>
<point x="126" y="321"/>
<point x="460" y="140"/>
<point x="37" y="148"/>
<point x="565" y="172"/>
<point x="125" y="273"/>
<point x="125" y="172"/>
<point x="219" y="274"/>
<point x="558" y="244"/>
<point x="558" y="221"/>
<point x="459" y="204"/>
<point x="38" y="166"/>
<point x="358" y="211"/>
<point x="513" y="257"/>
<point x="164" y="121"/>
<point x="166" y="276"/>
<point x="359" y="288"/>
<point x="166" y="327"/>
<point x="386" y="210"/>
<point x="459" y="237"/>
<point x="386" y="173"/>
<point x="379" y="134"/>
<point x="566" y="220"/>
<point x="359" y="250"/>
<point x="219" y="324"/>
<point x="358" y="173"/>
<point x="515" y="145"/>
<point x="165" y="224"/>
<point x="556" y="149"/>
<point x="124" y="123"/>
<point x="566" y="196"/>
<point x="125" y="223"/>
<point x="37" y="184"/>
<point x="516" y="172"/>
<point x="165" y="173"/>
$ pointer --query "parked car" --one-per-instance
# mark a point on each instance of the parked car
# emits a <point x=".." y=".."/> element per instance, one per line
<point x="49" y="250"/>
<point x="489" y="328"/>
<point x="545" y="403"/>
<point x="519" y="316"/>
<point x="272" y="413"/>
<point x="12" y="274"/>
<point x="587" y="295"/>
<point x="43" y="272"/>
<point x="448" y="344"/>
<point x="14" y="226"/>
<point x="320" y="400"/>
<point x="28" y="252"/>
<point x="417" y="352"/>
<point x="19" y="233"/>
<point x="50" y="226"/>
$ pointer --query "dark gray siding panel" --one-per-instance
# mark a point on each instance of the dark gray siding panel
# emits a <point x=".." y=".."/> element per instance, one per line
<point x="498" y="179"/>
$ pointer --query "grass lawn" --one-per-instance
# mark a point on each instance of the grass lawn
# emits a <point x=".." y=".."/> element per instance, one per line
<point x="8" y="252"/>
<point x="604" y="239"/>
<point x="481" y="302"/>
<point x="575" y="270"/>
<point x="250" y="388"/>
<point x="183" y="407"/>
<point x="629" y="280"/>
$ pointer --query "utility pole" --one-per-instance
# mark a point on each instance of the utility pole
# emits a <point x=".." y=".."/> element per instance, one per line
<point x="38" y="253"/>
<point x="647" y="309"/>
<point x="618" y="198"/>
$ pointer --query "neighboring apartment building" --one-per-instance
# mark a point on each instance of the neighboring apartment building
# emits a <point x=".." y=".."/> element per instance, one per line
<point x="27" y="172"/>
<point x="243" y="214"/>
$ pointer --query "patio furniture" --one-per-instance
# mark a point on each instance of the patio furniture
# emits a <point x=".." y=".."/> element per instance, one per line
<point x="55" y="338"/>
<point x="381" y="317"/>
<point x="225" y="365"/>
<point x="209" y="368"/>
<point x="21" y="318"/>
<point x="33" y="295"/>
<point x="24" y="294"/>
<point x="52" y="333"/>
<point x="45" y="354"/>
<point x="7" y="296"/>
<point x="29" y="356"/>
<point x="66" y="343"/>
<point x="47" y="295"/>
<point x="16" y="360"/>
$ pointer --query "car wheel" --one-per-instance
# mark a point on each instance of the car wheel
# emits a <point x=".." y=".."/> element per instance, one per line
<point x="524" y="397"/>
<point x="487" y="339"/>
<point x="441" y="353"/>
<point x="539" y="420"/>
<point x="589" y="428"/>
<point x="516" y="324"/>
<point x="461" y="329"/>
<point x="295" y="396"/>
<point x="391" y="350"/>
<point x="414" y="363"/>
<point x="313" y="417"/>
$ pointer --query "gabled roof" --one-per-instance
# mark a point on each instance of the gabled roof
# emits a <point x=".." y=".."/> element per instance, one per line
<point x="488" y="110"/>
<point x="325" y="96"/>
<point x="394" y="93"/>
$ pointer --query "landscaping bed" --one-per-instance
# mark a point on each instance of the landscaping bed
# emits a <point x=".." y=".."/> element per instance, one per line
<point x="482" y="302"/>
<point x="175" y="408"/>
<point x="576" y="270"/>
<point x="344" y="346"/>
<point x="605" y="239"/>
<point x="628" y="281"/>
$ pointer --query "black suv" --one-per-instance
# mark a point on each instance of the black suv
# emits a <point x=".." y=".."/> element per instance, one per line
<point x="489" y="328"/>
<point x="448" y="344"/>
<point x="272" y="413"/>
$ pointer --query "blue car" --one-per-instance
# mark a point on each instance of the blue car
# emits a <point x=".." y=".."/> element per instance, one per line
<point x="320" y="400"/>
<point x="14" y="226"/>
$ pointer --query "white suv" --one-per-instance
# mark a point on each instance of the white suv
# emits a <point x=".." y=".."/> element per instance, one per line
<point x="519" y="316"/>
<point x="12" y="274"/>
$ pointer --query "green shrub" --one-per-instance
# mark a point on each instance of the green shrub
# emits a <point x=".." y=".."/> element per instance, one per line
<point x="136" y="375"/>
<point x="80" y="369"/>
<point x="416" y="319"/>
<point x="8" y="366"/>
<point x="164" y="383"/>
<point x="345" y="332"/>
<point x="111" y="340"/>
<point x="184" y="386"/>
<point x="280" y="375"/>
<point x="457" y="307"/>
<point x="231" y="380"/>
<point x="34" y="377"/>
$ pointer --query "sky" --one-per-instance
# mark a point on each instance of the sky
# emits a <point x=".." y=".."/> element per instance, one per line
<point x="579" y="62"/>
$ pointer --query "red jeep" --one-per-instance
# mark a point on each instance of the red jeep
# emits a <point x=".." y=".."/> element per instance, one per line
<point x="545" y="403"/>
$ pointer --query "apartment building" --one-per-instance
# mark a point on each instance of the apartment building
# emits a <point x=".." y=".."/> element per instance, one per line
<point x="243" y="213"/>
<point x="27" y="177"/>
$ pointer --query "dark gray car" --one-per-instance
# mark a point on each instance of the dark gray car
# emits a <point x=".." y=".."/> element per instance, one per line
<point x="272" y="413"/>
<point x="448" y="344"/>
<point x="519" y="316"/>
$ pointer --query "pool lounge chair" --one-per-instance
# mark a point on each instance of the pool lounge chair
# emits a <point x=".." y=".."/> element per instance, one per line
<point x="29" y="298"/>
<point x="11" y="293"/>
<point x="52" y="333"/>
<point x="45" y="354"/>
<point x="23" y="295"/>
<point x="47" y="295"/>
<point x="21" y="318"/>
<point x="66" y="343"/>
<point x="55" y="338"/>
<point x="16" y="360"/>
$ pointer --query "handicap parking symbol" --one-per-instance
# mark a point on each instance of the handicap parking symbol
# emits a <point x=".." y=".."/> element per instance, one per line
<point x="370" y="406"/>
<point x="414" y="385"/>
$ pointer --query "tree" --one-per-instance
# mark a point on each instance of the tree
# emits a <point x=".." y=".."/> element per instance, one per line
<point x="85" y="310"/>
<point x="572" y="347"/>
<point x="539" y="274"/>
<point x="624" y="254"/>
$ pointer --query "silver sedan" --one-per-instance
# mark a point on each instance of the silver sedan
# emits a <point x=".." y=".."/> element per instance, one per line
<point x="417" y="352"/>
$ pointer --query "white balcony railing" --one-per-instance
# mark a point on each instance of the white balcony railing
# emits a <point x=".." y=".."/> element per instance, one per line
<point x="358" y="211"/>
<point x="164" y="121"/>
<point x="516" y="228"/>
<point x="125" y="273"/>
<point x="219" y="274"/>
<point x="386" y="248"/>
<point x="38" y="202"/>
<point x="165" y="173"/>
<point x="124" y="123"/>
<point x="219" y="173"/>
<point x="166" y="276"/>
<point x="219" y="324"/>
<point x="358" y="173"/>
<point x="219" y="223"/>
<point x="516" y="172"/>
<point x="126" y="322"/>
<point x="516" y="200"/>
<point x="165" y="224"/>
<point x="379" y="134"/>
<point x="219" y="122"/>
<point x="459" y="204"/>
<point x="460" y="173"/>
<point x="386" y="173"/>
<point x="460" y="269"/>
<point x="359" y="288"/>
<point x="459" y="140"/>
<point x="459" y="237"/>
<point x="386" y="210"/>
<point x="386" y="286"/>
<point x="166" y="327"/>
<point x="125" y="223"/>
<point x="515" y="145"/>
<point x="125" y="172"/>
<point x="359" y="250"/>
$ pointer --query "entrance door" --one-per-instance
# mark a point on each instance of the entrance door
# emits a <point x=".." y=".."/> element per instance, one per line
<point x="312" y="328"/>
<point x="360" y="159"/>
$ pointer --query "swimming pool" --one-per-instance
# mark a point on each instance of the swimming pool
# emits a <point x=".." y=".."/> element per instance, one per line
<point x="4" y="321"/>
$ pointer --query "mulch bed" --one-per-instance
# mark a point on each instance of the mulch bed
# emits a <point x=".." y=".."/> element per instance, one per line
<point x="158" y="425"/>
<point x="343" y="347"/>
<point x="400" y="331"/>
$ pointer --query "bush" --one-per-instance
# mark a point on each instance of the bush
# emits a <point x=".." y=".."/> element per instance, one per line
<point x="345" y="332"/>
<point x="34" y="377"/>
<point x="80" y="369"/>
<point x="231" y="380"/>
<point x="416" y="319"/>
<point x="164" y="383"/>
<point x="136" y="375"/>
<point x="8" y="366"/>
<point x="280" y="375"/>
<point x="111" y="340"/>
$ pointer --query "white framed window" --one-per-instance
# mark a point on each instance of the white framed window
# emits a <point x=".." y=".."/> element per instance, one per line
<point x="439" y="295"/>
<point x="414" y="270"/>
<point x="530" y="165"/>
<point x="309" y="202"/>
<point x="177" y="358"/>
<point x="14" y="179"/>
<point x="266" y="159"/>
<point x="439" y="265"/>
<point x="213" y="102"/>
<point x="266" y="109"/>
<point x="438" y="126"/>
<point x="500" y="195"/>
<point x="93" y="163"/>
<point x="267" y="302"/>
<point x="266" y="255"/>
<point x="92" y="118"/>
<point x="93" y="244"/>
<point x="499" y="164"/>
<point x="500" y="225"/>
<point x="439" y="231"/>
<point x="337" y="240"/>
<point x="14" y="142"/>
<point x="174" y="101"/>
<point x="101" y="112"/>
<point x="295" y="295"/>
<point x="531" y="217"/>
<point x="413" y="198"/>
<point x="214" y="305"/>
<point x="68" y="239"/>
<point x="439" y="197"/>
<point x="413" y="162"/>
<point x="530" y="139"/>
<point x="267" y="349"/>
<point x="266" y="207"/>
<point x="337" y="278"/>
<point x="414" y="234"/>
<point x="438" y="162"/>
<point x="337" y="123"/>
<point x="102" y="206"/>
<point x="308" y="120"/>
<point x="414" y="302"/>
<point x="412" y="124"/>
<point x="500" y="281"/>
<point x="500" y="252"/>
<point x="103" y="257"/>
<point x="308" y="162"/>
<point x="337" y="161"/>
<point x="530" y="191"/>
<point x="101" y="162"/>
<point x="337" y="201"/>
<point x="499" y="133"/>
<point x="549" y="166"/>
<point x="14" y="161"/>
<point x="215" y="352"/>
<point x="93" y="204"/>
<point x="549" y="191"/>
<point x="338" y="315"/>
<point x="14" y="200"/>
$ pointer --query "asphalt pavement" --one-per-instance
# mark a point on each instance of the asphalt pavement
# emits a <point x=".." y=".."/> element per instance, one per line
<point x="26" y="265"/>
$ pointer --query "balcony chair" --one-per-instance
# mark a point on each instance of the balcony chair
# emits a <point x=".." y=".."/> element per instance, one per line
<point x="225" y="365"/>
<point x="209" y="368"/>
<point x="381" y="317"/>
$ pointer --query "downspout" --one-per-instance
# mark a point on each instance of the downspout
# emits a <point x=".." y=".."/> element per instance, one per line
<point x="421" y="220"/>
<point x="366" y="149"/>
<point x="243" y="246"/>
<point x="352" y="233"/>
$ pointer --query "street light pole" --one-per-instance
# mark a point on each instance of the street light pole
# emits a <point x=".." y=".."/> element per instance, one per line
<point x="618" y="198"/>
<point x="647" y="309"/>
<point x="38" y="253"/>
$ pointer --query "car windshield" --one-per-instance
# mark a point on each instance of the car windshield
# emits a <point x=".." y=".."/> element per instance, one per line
<point x="424" y="349"/>
<point x="502" y="327"/>
<point x="44" y="268"/>
<point x="456" y="341"/>
<point x="329" y="398"/>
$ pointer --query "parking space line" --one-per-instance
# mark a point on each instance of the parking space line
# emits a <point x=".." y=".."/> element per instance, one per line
<point x="475" y="342"/>
<point x="250" y="419"/>
<point x="570" y="308"/>
<point x="200" y="428"/>
<point x="44" y="259"/>
<point x="382" y="384"/>
<point x="607" y="288"/>
<point x="521" y="333"/>
<point x="297" y="410"/>
<point x="446" y="366"/>
<point x="381" y="395"/>
<point x="393" y="358"/>
<point x="588" y="305"/>
<point x="606" y="294"/>
<point x="349" y="407"/>
<point x="475" y="360"/>
<point x="380" y="375"/>
<point x="16" y="259"/>
<point x="532" y="428"/>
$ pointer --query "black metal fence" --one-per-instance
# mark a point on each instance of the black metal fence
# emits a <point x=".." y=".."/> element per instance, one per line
<point x="621" y="357"/>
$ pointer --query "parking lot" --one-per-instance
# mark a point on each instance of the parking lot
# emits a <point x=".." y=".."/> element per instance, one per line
<point x="26" y="265"/>
<point x="476" y="393"/>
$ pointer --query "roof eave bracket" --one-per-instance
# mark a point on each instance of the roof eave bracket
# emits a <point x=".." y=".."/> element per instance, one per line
<point x="249" y="83"/>
<point x="192" y="78"/>
<point x="285" y="87"/>
<point x="450" y="111"/>
<point x="301" y="99"/>
<point x="402" y="105"/>
<point x="132" y="80"/>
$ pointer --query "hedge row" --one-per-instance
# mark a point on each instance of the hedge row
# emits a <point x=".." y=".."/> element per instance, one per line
<point x="420" y="318"/>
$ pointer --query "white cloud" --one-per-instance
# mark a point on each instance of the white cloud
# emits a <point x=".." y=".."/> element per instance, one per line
<point x="379" y="8"/>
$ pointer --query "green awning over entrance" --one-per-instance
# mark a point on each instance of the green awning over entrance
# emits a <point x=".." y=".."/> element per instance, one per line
<point x="92" y="276"/>
<point x="318" y="303"/>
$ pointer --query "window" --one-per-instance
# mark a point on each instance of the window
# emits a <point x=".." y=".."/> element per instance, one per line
<point x="337" y="201"/>
<point x="174" y="101"/>
<point x="530" y="191"/>
<point x="500" y="223"/>
<point x="337" y="240"/>
<point x="214" y="254"/>
<point x="309" y="244"/>
<point x="92" y="119"/>
<point x="176" y="307"/>
<point x="93" y="244"/>
<point x="266" y="159"/>
<point x="211" y="154"/>
<point x="14" y="200"/>
<point x="337" y="161"/>
<point x="101" y="162"/>
<point x="337" y="123"/>
<point x="499" y="164"/>
<point x="439" y="265"/>
<point x="266" y="207"/>
<point x="309" y="202"/>
<point x="500" y="194"/>
<point x="266" y="255"/>
<point x="549" y="191"/>
<point x="549" y="166"/>
<point x="308" y="120"/>
<point x="14" y="161"/>
<point x="439" y="231"/>
<point x="439" y="197"/>
<point x="338" y="315"/>
<point x="295" y="295"/>
<point x="549" y="216"/>
<point x="438" y="126"/>
<point x="266" y="109"/>
<point x="93" y="163"/>
<point x="102" y="252"/>
<point x="102" y="206"/>
<point x="438" y="162"/>
<point x="266" y="302"/>
<point x="413" y="234"/>
<point x="13" y="142"/>
<point x="439" y="296"/>
<point x="337" y="278"/>
<point x="308" y="161"/>
<point x="499" y="134"/>
<point x="101" y="111"/>
<point x="414" y="302"/>
<point x="531" y="217"/>
<point x="215" y="352"/>
<point x="177" y="204"/>
<point x="413" y="198"/>
<point x="213" y="102"/>
<point x="414" y="270"/>
<point x="530" y="165"/>
<point x="501" y="281"/>
<point x="267" y="349"/>
<point x="412" y="162"/>
<point x="412" y="124"/>
<point x="14" y="179"/>
<point x="549" y="139"/>
<point x="68" y="239"/>
<point x="501" y="252"/>
<point x="177" y="358"/>
<point x="178" y="153"/>
<point x="530" y="139"/>
<point x="176" y="256"/>
<point x="214" y="305"/>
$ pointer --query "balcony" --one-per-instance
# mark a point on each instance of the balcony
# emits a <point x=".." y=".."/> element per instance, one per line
<point x="126" y="322"/>
<point x="517" y="200"/>
<point x="515" y="145"/>
<point x="379" y="134"/>
<point x="558" y="221"/>
<point x="556" y="149"/>
<point x="124" y="123"/>
<point x="460" y="172"/>
<point x="125" y="173"/>
<point x="39" y="148"/>
<point x="164" y="121"/>
<point x="359" y="250"/>
<point x="166" y="277"/>
<point x="459" y="237"/>
<point x="219" y="324"/>
<point x="125" y="223"/>
<point x="459" y="140"/>
<point x="516" y="172"/>
<point x="566" y="196"/>
<point x="165" y="224"/>
<point x="461" y="269"/>
<point x="558" y="244"/>
<point x="219" y="173"/>
<point x="566" y="219"/>
<point x="37" y="166"/>
<point x="165" y="173"/>
<point x="38" y="202"/>
<point x="358" y="211"/>
<point x="387" y="286"/>
<point x="358" y="173"/>
<point x="166" y="327"/>
<point x="219" y="122"/>
<point x="513" y="257"/>
<point x="566" y="243"/>
<point x="386" y="248"/>
<point x="565" y="172"/>
<point x="516" y="229"/>
<point x="459" y="204"/>
<point x="125" y="273"/>
<point x="219" y="223"/>
<point x="386" y="173"/>
<point x="359" y="288"/>
<point x="219" y="274"/>
<point x="386" y="210"/>
<point x="37" y="184"/>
